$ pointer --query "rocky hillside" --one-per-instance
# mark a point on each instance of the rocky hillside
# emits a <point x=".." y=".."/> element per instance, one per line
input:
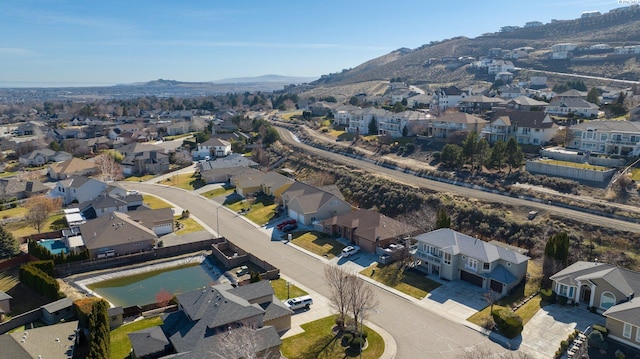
<point x="615" y="28"/>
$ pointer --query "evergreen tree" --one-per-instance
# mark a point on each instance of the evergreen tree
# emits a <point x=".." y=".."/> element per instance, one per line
<point x="451" y="155"/>
<point x="442" y="219"/>
<point x="514" y="154"/>
<point x="593" y="96"/>
<point x="469" y="148"/>
<point x="373" y="126"/>
<point x="498" y="155"/>
<point x="8" y="245"/>
<point x="99" y="339"/>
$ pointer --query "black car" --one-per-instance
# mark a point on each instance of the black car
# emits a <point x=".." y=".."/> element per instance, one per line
<point x="289" y="227"/>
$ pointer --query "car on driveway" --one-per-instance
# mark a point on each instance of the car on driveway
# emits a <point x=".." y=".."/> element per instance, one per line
<point x="349" y="251"/>
<point x="299" y="302"/>
<point x="286" y="222"/>
<point x="289" y="227"/>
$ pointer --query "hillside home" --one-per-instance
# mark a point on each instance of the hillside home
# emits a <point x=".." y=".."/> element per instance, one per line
<point x="213" y="147"/>
<point x="444" y="126"/>
<point x="79" y="189"/>
<point x="448" y="97"/>
<point x="524" y="103"/>
<point x="572" y="105"/>
<point x="308" y="204"/>
<point x="607" y="137"/>
<point x="498" y="66"/>
<point x="360" y="120"/>
<point x="205" y="317"/>
<point x="367" y="229"/>
<point x="527" y="127"/>
<point x="479" y="104"/>
<point x="451" y="255"/>
<point x="70" y="168"/>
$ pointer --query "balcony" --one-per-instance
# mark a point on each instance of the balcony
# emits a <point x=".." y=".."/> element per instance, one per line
<point x="428" y="257"/>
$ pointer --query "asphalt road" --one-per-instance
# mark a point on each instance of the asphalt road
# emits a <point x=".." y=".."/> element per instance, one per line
<point x="418" y="332"/>
<point x="409" y="179"/>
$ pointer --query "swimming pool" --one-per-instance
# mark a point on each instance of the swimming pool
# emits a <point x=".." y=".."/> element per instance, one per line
<point x="55" y="246"/>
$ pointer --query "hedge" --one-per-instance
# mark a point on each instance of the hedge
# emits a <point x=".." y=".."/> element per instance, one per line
<point x="509" y="323"/>
<point x="35" y="278"/>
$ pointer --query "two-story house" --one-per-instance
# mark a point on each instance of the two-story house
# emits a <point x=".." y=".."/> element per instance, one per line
<point x="527" y="127"/>
<point x="79" y="189"/>
<point x="451" y="255"/>
<point x="448" y="97"/>
<point x="607" y="137"/>
<point x="213" y="147"/>
<point x="572" y="105"/>
<point x="361" y="118"/>
<point x="445" y="125"/>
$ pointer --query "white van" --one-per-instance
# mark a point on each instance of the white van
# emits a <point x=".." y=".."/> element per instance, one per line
<point x="299" y="302"/>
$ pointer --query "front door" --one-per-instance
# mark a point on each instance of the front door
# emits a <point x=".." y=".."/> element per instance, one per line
<point x="585" y="294"/>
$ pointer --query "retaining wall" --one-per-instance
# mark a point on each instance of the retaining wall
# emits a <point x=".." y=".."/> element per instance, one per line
<point x="569" y="172"/>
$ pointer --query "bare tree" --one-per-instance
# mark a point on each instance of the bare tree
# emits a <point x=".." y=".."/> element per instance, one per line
<point x="40" y="208"/>
<point x="361" y="299"/>
<point x="339" y="281"/>
<point x="244" y="342"/>
<point x="109" y="168"/>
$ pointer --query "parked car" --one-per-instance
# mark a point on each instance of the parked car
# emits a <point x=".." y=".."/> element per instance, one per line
<point x="299" y="302"/>
<point x="289" y="227"/>
<point x="350" y="250"/>
<point x="282" y="224"/>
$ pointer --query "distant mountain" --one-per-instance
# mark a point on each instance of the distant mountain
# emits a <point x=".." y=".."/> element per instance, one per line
<point x="429" y="64"/>
<point x="266" y="78"/>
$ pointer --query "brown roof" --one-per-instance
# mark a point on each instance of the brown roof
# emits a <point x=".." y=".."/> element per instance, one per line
<point x="72" y="166"/>
<point x="371" y="225"/>
<point x="530" y="119"/>
<point x="460" y="117"/>
<point x="114" y="229"/>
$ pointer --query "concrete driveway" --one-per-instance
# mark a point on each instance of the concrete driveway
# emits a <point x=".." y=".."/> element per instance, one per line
<point x="457" y="300"/>
<point x="542" y="334"/>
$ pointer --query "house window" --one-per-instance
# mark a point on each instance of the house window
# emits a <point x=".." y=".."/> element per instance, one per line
<point x="626" y="331"/>
<point x="607" y="300"/>
<point x="447" y="258"/>
<point x="486" y="266"/>
<point x="472" y="264"/>
<point x="563" y="290"/>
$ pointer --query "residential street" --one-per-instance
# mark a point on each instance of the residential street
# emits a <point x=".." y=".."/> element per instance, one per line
<point x="419" y="333"/>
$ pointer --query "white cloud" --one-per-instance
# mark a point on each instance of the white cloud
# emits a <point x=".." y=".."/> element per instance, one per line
<point x="15" y="51"/>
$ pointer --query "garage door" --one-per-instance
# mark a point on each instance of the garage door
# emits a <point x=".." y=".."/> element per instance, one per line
<point x="471" y="278"/>
<point x="496" y="286"/>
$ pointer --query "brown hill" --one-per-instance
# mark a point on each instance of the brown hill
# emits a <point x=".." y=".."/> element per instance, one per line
<point x="615" y="28"/>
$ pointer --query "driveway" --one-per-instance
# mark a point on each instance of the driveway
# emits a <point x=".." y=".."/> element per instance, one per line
<point x="542" y="334"/>
<point x="457" y="300"/>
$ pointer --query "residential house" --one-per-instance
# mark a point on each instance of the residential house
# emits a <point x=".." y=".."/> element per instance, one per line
<point x="106" y="203"/>
<point x="449" y="123"/>
<point x="160" y="221"/>
<point x="247" y="181"/>
<point x="420" y="101"/>
<point x="524" y="103"/>
<point x="527" y="127"/>
<point x="572" y="105"/>
<point x="573" y="93"/>
<point x="206" y="316"/>
<point x="308" y="204"/>
<point x="623" y="322"/>
<point x="274" y="184"/>
<point x="5" y="303"/>
<point x="42" y="156"/>
<point x="451" y="255"/>
<point x="147" y="162"/>
<point x="360" y="120"/>
<point x="32" y="128"/>
<point x="78" y="188"/>
<point x="50" y="341"/>
<point x="320" y="108"/>
<point x="511" y="91"/>
<point x="367" y="229"/>
<point x="116" y="234"/>
<point x="13" y="187"/>
<point x="498" y="66"/>
<point x="73" y="167"/>
<point x="607" y="137"/>
<point x="479" y="104"/>
<point x="407" y="123"/>
<point x="342" y="114"/>
<point x="213" y="147"/>
<point x="448" y="97"/>
<point x="178" y="128"/>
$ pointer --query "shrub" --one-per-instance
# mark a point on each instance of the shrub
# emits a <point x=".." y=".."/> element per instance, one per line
<point x="548" y="296"/>
<point x="601" y="329"/>
<point x="508" y="322"/>
<point x="347" y="338"/>
<point x="564" y="345"/>
<point x="562" y="300"/>
<point x="597" y="341"/>
<point x="619" y="354"/>
<point x="357" y="343"/>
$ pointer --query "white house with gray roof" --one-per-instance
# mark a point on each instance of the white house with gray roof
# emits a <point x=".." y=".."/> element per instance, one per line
<point x="608" y="137"/>
<point x="452" y="255"/>
<point x="78" y="188"/>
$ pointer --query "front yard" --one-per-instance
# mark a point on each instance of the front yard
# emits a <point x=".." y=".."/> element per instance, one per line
<point x="217" y="192"/>
<point x="188" y="181"/>
<point x="187" y="225"/>
<point x="281" y="291"/>
<point x="318" y="243"/>
<point x="260" y="211"/>
<point x="408" y="282"/>
<point x="319" y="341"/>
<point x="154" y="202"/>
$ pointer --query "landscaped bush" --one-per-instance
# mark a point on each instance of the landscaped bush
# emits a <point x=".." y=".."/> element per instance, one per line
<point x="36" y="279"/>
<point x="562" y="300"/>
<point x="601" y="329"/>
<point x="509" y="323"/>
<point x="548" y="296"/>
<point x="597" y="341"/>
<point x="357" y="343"/>
<point x="346" y="339"/>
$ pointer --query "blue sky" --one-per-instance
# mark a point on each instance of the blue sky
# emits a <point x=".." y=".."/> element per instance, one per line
<point x="88" y="42"/>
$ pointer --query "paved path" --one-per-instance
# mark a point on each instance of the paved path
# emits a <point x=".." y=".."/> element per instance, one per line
<point x="418" y="332"/>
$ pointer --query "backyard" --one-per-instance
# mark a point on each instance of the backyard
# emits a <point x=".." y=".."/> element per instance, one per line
<point x="23" y="228"/>
<point x="320" y="341"/>
<point x="24" y="298"/>
<point x="318" y="243"/>
<point x="407" y="281"/>
<point x="120" y="344"/>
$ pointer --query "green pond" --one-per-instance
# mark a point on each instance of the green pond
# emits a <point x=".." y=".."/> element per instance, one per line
<point x="141" y="289"/>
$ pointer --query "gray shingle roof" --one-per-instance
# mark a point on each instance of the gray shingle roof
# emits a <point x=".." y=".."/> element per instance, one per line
<point x="4" y="296"/>
<point x="628" y="312"/>
<point x="233" y="160"/>
<point x="253" y="291"/>
<point x="113" y="229"/>
<point x="620" y="126"/>
<point x="526" y="119"/>
<point x="148" y="341"/>
<point x="625" y="281"/>
<point x="58" y="305"/>
<point x="450" y="241"/>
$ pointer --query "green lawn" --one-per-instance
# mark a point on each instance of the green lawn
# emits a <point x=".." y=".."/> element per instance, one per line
<point x="187" y="181"/>
<point x="139" y="178"/>
<point x="585" y="166"/>
<point x="24" y="229"/>
<point x="280" y="289"/>
<point x="120" y="345"/>
<point x="527" y="311"/>
<point x="175" y="137"/>
<point x="154" y="202"/>
<point x="261" y="210"/>
<point x="318" y="243"/>
<point x="319" y="341"/>
<point x="189" y="225"/>
<point x="411" y="283"/>
<point x="217" y="192"/>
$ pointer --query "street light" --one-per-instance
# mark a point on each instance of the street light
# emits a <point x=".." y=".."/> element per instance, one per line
<point x="288" y="293"/>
